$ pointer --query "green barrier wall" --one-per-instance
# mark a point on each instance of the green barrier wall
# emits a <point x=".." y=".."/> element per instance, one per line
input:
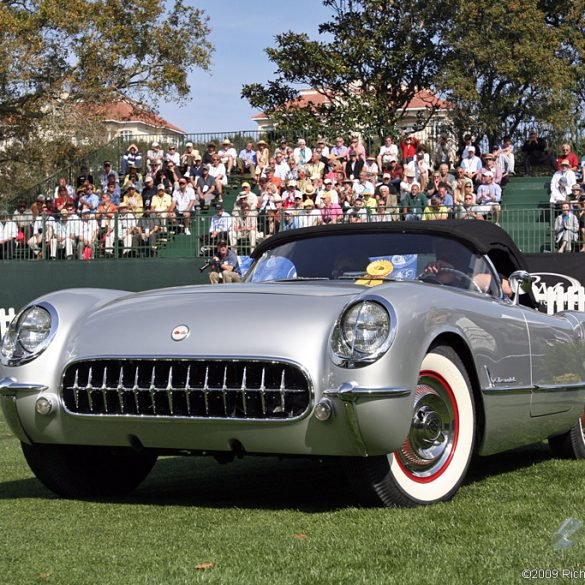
<point x="21" y="282"/>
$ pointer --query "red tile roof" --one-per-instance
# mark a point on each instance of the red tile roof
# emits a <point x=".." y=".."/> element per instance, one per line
<point x="125" y="112"/>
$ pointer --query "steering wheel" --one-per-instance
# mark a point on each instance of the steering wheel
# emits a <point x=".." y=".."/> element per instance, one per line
<point x="433" y="277"/>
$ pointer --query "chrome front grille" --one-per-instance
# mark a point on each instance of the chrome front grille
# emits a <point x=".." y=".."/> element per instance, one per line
<point x="224" y="389"/>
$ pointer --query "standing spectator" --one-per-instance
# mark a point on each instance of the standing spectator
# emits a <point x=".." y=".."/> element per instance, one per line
<point x="422" y="166"/>
<point x="568" y="154"/>
<point x="84" y="175"/>
<point x="444" y="152"/>
<point x="155" y="155"/>
<point x="582" y="222"/>
<point x="224" y="265"/>
<point x="357" y="147"/>
<point x="221" y="225"/>
<point x="471" y="164"/>
<point x="245" y="227"/>
<point x="148" y="229"/>
<point x="566" y="228"/>
<point x="562" y="183"/>
<point x="388" y="151"/>
<point x="247" y="159"/>
<point x="262" y="157"/>
<point x="218" y="171"/>
<point x="88" y="232"/>
<point x="64" y="236"/>
<point x="107" y="172"/>
<point x="468" y="144"/>
<point x="228" y="155"/>
<point x="131" y="157"/>
<point x="23" y="217"/>
<point x="310" y="216"/>
<point x="505" y="157"/>
<point x="42" y="231"/>
<point x="8" y="235"/>
<point x="282" y="149"/>
<point x="408" y="144"/>
<point x="127" y="230"/>
<point x="183" y="202"/>
<point x="536" y="153"/>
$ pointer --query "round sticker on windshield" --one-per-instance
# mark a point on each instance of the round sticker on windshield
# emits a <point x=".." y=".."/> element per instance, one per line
<point x="274" y="268"/>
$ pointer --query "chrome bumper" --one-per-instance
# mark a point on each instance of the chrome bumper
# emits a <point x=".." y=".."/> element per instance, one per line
<point x="9" y="389"/>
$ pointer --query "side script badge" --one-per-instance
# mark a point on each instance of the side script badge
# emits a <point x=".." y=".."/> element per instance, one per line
<point x="180" y="332"/>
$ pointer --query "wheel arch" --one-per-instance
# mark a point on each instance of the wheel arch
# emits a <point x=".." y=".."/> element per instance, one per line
<point x="461" y="348"/>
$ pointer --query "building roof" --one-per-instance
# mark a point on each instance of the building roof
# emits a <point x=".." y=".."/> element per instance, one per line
<point x="423" y="99"/>
<point x="126" y="112"/>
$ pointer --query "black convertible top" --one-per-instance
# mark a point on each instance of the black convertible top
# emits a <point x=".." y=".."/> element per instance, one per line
<point x="482" y="236"/>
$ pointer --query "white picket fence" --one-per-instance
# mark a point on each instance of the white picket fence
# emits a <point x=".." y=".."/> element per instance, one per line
<point x="5" y="317"/>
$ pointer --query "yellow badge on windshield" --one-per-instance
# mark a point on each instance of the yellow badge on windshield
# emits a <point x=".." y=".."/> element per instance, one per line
<point x="375" y="270"/>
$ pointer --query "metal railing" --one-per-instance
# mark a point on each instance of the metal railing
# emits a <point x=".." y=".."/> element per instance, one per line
<point x="123" y="235"/>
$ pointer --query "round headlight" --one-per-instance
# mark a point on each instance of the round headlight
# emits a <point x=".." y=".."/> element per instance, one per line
<point x="362" y="333"/>
<point x="29" y="334"/>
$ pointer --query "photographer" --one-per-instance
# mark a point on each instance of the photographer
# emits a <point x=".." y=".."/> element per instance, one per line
<point x="224" y="265"/>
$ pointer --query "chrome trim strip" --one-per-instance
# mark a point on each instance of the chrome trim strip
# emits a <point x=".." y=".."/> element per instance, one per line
<point x="351" y="392"/>
<point x="9" y="387"/>
<point x="542" y="388"/>
<point x="538" y="388"/>
<point x="354" y="427"/>
<point x="185" y="358"/>
<point x="500" y="390"/>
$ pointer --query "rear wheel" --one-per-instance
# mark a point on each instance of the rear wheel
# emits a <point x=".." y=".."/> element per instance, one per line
<point x="433" y="460"/>
<point x="74" y="471"/>
<point x="570" y="445"/>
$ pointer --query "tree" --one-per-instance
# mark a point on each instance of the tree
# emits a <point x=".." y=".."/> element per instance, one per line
<point x="513" y="63"/>
<point x="371" y="61"/>
<point x="57" y="55"/>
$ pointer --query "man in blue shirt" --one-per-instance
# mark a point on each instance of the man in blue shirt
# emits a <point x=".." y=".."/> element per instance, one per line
<point x="247" y="159"/>
<point x="224" y="265"/>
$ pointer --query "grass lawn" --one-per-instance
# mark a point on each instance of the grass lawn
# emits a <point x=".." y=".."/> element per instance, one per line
<point x="261" y="521"/>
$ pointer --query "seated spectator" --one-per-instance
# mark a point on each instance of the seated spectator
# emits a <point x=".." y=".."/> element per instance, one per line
<point x="42" y="231"/>
<point x="290" y="194"/>
<point x="131" y="157"/>
<point x="281" y="167"/>
<point x="62" y="198"/>
<point x="209" y="154"/>
<point x="468" y="209"/>
<point x="339" y="150"/>
<point x="268" y="198"/>
<point x="133" y="177"/>
<point x="488" y="197"/>
<point x="562" y="183"/>
<point x="422" y="165"/>
<point x="262" y="157"/>
<point x="471" y="163"/>
<point x="310" y="216"/>
<point x="489" y="164"/>
<point x="388" y="151"/>
<point x="290" y="220"/>
<point x="62" y="184"/>
<point x="83" y="176"/>
<point x="568" y="154"/>
<point x="505" y="158"/>
<point x="406" y="184"/>
<point x="468" y="144"/>
<point x="196" y="170"/>
<point x="218" y="171"/>
<point x="8" y="236"/>
<point x="357" y="213"/>
<point x="389" y="202"/>
<point x="435" y="210"/>
<point x="148" y="191"/>
<point x="88" y="230"/>
<point x="302" y="153"/>
<point x="106" y="174"/>
<point x="64" y="237"/>
<point x="23" y="217"/>
<point x="133" y="200"/>
<point x="315" y="169"/>
<point x="89" y="200"/>
<point x="228" y="155"/>
<point x="106" y="218"/>
<point x="331" y="212"/>
<point x="37" y="206"/>
<point x="270" y="178"/>
<point x="155" y="156"/>
<point x="323" y="149"/>
<point x="126" y="231"/>
<point x="461" y="182"/>
<point x="363" y="184"/>
<point x="536" y="153"/>
<point x="161" y="205"/>
<point x="189" y="157"/>
<point x="414" y="203"/>
<point x="246" y="161"/>
<point x="148" y="229"/>
<point x="282" y="149"/>
<point x="371" y="167"/>
<point x="205" y="189"/>
<point x="566" y="228"/>
<point x="221" y="225"/>
<point x="173" y="156"/>
<point x="245" y="227"/>
<point x="251" y="197"/>
<point x="183" y="202"/>
<point x="224" y="265"/>
<point x="293" y="170"/>
<point x="381" y="213"/>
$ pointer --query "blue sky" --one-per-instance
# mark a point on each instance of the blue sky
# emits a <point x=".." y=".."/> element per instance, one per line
<point x="241" y="30"/>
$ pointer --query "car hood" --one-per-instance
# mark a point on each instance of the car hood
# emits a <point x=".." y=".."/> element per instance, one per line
<point x="248" y="320"/>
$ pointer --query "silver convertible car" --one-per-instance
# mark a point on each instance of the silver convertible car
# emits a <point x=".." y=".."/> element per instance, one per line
<point x="401" y="349"/>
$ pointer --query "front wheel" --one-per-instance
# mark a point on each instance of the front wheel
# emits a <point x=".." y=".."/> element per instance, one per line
<point x="433" y="460"/>
<point x="73" y="471"/>
<point x="570" y="445"/>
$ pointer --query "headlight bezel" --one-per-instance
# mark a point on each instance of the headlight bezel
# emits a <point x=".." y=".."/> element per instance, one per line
<point x="12" y="351"/>
<point x="350" y="357"/>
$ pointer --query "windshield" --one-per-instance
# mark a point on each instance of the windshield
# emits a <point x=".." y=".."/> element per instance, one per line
<point x="431" y="258"/>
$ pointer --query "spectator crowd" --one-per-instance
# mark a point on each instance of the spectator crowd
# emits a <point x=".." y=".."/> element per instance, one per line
<point x="129" y="207"/>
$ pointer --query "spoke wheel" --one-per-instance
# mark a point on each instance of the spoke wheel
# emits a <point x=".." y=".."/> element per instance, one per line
<point x="432" y="461"/>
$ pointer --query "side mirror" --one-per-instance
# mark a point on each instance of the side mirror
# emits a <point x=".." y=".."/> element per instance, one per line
<point x="520" y="282"/>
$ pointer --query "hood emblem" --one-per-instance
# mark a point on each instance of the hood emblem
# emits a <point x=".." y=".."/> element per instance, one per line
<point x="180" y="332"/>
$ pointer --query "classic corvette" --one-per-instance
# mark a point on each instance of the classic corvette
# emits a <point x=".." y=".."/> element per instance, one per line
<point x="399" y="348"/>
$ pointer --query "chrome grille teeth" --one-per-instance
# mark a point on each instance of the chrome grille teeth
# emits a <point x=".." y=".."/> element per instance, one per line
<point x="170" y="390"/>
<point x="215" y="389"/>
<point x="187" y="390"/>
<point x="152" y="389"/>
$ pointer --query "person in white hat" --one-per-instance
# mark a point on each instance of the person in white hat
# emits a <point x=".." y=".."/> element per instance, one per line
<point x="228" y="155"/>
<point x="488" y="196"/>
<point x="155" y="155"/>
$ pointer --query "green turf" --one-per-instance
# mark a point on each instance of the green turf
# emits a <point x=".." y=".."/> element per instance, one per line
<point x="261" y="521"/>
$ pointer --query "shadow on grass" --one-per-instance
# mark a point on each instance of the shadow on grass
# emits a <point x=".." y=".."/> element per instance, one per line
<point x="265" y="482"/>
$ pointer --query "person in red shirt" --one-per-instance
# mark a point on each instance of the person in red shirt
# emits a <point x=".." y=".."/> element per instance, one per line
<point x="408" y="144"/>
<point x="569" y="155"/>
